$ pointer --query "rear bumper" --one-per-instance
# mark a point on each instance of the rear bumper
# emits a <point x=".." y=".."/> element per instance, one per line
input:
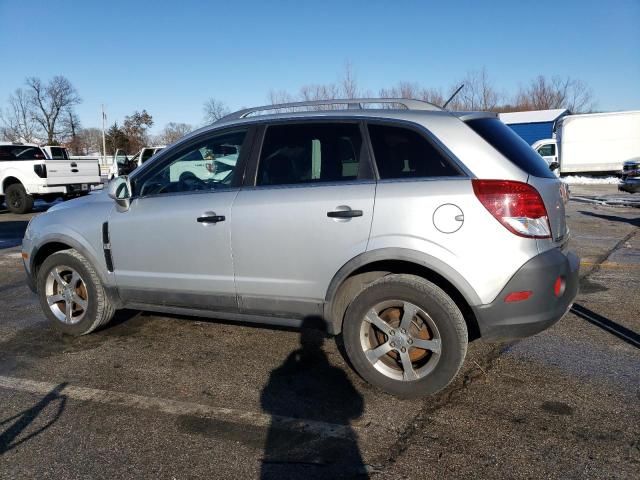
<point x="503" y="321"/>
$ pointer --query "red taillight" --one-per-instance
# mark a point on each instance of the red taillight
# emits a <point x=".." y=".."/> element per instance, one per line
<point x="518" y="296"/>
<point x="516" y="205"/>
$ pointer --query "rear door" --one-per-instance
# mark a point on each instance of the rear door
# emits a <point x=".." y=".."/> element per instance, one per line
<point x="306" y="211"/>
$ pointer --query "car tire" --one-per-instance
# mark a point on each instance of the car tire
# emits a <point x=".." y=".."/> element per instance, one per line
<point x="17" y="199"/>
<point x="68" y="277"/>
<point x="410" y="312"/>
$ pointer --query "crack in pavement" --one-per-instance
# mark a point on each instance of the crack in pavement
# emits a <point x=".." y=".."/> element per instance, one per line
<point x="458" y="388"/>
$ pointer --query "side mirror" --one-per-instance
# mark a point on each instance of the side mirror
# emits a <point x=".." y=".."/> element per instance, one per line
<point x="554" y="166"/>
<point x="120" y="190"/>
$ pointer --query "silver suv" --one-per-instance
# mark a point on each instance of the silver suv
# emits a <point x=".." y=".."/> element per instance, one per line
<point x="409" y="229"/>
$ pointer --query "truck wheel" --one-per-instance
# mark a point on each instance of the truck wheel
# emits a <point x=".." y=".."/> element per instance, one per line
<point x="17" y="199"/>
<point x="71" y="294"/>
<point x="405" y="335"/>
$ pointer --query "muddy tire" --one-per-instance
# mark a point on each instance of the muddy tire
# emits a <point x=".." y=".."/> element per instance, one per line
<point x="17" y="199"/>
<point x="71" y="294"/>
<point x="405" y="335"/>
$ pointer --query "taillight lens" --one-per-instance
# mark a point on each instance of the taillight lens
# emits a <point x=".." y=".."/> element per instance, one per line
<point x="40" y="170"/>
<point x="516" y="205"/>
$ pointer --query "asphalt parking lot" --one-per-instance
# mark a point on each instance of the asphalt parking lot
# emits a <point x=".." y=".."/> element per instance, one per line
<point x="173" y="397"/>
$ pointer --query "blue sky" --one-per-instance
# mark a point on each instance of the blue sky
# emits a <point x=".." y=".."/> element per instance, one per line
<point x="169" y="57"/>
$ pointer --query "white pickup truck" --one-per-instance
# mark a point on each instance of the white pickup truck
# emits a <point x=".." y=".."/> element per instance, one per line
<point x="27" y="173"/>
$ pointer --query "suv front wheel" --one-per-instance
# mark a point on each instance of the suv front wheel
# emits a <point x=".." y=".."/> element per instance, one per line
<point x="71" y="294"/>
<point x="405" y="335"/>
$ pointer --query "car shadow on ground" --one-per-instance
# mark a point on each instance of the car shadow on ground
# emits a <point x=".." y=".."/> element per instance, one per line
<point x="19" y="423"/>
<point x="613" y="218"/>
<point x="11" y="233"/>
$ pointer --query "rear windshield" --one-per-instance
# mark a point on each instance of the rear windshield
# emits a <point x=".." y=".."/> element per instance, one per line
<point x="20" y="152"/>
<point x="58" y="153"/>
<point x="509" y="144"/>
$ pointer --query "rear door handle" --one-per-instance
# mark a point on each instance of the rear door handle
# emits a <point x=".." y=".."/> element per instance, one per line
<point x="211" y="219"/>
<point x="344" y="213"/>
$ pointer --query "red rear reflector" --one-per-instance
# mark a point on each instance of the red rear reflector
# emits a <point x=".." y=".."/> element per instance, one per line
<point x="558" y="287"/>
<point x="518" y="296"/>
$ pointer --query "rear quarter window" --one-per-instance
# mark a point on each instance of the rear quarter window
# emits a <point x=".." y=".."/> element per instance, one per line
<point x="509" y="144"/>
<point x="404" y="153"/>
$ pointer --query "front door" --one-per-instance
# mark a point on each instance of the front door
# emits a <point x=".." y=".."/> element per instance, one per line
<point x="309" y="213"/>
<point x="172" y="246"/>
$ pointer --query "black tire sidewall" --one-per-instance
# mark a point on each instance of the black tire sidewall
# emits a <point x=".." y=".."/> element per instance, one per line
<point x="27" y="200"/>
<point x="62" y="258"/>
<point x="453" y="346"/>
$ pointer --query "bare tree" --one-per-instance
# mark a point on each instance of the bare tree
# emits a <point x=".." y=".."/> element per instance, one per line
<point x="478" y="93"/>
<point x="214" y="110"/>
<point x="543" y="93"/>
<point x="413" y="90"/>
<point x="173" y="132"/>
<point x="349" y="82"/>
<point x="89" y="140"/>
<point x="71" y="125"/>
<point x="346" y="87"/>
<point x="17" y="120"/>
<point x="51" y="101"/>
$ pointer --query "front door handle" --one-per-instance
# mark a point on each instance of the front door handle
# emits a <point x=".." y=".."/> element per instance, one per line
<point x="344" y="213"/>
<point x="212" y="218"/>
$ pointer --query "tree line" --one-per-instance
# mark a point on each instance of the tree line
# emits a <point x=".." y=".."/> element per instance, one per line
<point x="44" y="112"/>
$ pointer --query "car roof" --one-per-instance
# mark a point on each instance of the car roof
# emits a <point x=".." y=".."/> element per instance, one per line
<point x="20" y="144"/>
<point x="417" y="116"/>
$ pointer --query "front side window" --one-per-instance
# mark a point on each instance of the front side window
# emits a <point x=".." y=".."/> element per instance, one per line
<point x="310" y="153"/>
<point x="207" y="165"/>
<point x="548" y="150"/>
<point x="404" y="153"/>
<point x="20" y="152"/>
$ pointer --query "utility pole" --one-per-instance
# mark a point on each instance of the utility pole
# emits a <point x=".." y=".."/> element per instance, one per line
<point x="104" y="142"/>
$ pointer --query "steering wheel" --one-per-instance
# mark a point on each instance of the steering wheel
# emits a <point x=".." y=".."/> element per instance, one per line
<point x="189" y="182"/>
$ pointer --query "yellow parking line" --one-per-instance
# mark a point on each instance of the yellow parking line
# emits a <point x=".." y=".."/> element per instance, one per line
<point x="610" y="265"/>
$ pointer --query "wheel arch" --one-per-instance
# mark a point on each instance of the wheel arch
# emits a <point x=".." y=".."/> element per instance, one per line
<point x="58" y="243"/>
<point x="370" y="266"/>
<point x="10" y="180"/>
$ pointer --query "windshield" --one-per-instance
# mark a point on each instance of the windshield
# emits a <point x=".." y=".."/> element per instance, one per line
<point x="509" y="144"/>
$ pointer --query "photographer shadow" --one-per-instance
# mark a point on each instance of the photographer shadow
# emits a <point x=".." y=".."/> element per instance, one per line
<point x="307" y="387"/>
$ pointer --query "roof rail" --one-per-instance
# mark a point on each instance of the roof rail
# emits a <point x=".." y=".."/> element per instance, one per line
<point x="352" y="104"/>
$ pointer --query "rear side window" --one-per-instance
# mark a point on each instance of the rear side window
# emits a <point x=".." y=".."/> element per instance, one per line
<point x="310" y="153"/>
<point x="404" y="153"/>
<point x="509" y="144"/>
<point x="20" y="152"/>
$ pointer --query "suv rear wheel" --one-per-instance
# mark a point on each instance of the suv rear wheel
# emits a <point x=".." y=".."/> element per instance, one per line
<point x="71" y="294"/>
<point x="17" y="199"/>
<point x="405" y="335"/>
